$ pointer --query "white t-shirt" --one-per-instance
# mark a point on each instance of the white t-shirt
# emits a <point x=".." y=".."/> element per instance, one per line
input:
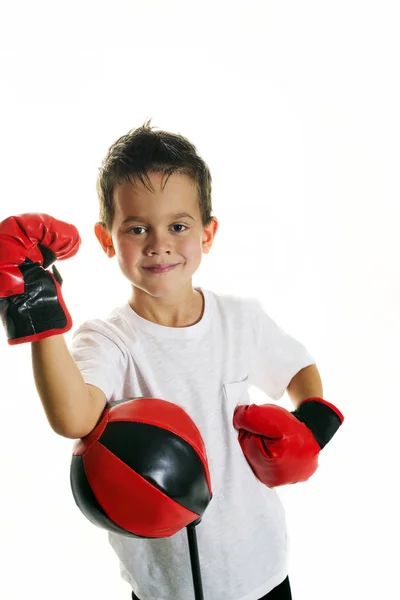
<point x="207" y="369"/>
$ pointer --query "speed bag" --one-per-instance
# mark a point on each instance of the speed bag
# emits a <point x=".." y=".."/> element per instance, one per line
<point x="143" y="470"/>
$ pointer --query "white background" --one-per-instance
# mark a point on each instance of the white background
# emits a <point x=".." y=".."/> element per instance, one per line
<point x="295" y="108"/>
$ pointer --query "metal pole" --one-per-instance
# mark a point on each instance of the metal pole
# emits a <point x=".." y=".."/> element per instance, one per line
<point x="194" y="560"/>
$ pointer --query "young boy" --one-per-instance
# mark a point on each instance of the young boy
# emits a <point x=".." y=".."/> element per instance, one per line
<point x="169" y="340"/>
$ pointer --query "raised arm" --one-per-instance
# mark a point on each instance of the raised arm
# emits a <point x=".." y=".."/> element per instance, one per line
<point x="33" y="310"/>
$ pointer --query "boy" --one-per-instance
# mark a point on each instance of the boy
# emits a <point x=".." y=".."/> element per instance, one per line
<point x="169" y="340"/>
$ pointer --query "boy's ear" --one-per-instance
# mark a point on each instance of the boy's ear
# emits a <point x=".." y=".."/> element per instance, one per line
<point x="104" y="238"/>
<point x="209" y="235"/>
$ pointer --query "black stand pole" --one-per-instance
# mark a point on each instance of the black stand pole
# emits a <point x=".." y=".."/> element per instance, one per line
<point x="194" y="560"/>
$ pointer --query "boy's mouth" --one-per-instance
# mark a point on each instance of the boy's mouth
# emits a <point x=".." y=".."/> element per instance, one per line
<point x="160" y="268"/>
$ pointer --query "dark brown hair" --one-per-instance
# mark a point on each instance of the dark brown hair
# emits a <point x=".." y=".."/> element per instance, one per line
<point x="142" y="151"/>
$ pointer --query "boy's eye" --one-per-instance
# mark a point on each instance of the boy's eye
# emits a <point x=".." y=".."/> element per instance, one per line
<point x="179" y="225"/>
<point x="135" y="229"/>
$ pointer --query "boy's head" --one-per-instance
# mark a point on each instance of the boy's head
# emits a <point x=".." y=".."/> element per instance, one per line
<point x="142" y="151"/>
<point x="155" y="176"/>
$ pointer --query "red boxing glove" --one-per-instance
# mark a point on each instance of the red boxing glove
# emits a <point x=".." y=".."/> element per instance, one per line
<point x="282" y="447"/>
<point x="31" y="303"/>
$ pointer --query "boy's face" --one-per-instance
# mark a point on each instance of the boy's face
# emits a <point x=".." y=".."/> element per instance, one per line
<point x="147" y="232"/>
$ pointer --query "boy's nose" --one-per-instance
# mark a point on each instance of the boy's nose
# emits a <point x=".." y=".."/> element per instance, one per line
<point x="158" y="244"/>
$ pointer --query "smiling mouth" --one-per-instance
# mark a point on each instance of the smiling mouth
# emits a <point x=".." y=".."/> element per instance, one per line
<point x="160" y="269"/>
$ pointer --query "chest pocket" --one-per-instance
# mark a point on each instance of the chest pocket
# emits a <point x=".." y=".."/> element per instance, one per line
<point x="236" y="392"/>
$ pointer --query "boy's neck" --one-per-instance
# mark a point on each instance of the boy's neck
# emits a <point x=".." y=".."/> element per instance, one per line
<point x="181" y="312"/>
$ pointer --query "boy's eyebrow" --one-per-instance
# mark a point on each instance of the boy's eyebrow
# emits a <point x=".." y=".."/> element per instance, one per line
<point x="170" y="216"/>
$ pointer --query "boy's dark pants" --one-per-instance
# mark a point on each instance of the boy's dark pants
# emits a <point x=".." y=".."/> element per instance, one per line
<point x="281" y="592"/>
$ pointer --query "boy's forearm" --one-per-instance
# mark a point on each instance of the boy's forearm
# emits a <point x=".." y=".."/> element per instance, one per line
<point x="62" y="389"/>
<point x="305" y="384"/>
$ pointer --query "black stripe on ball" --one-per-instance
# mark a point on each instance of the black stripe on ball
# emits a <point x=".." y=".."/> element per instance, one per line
<point x="87" y="502"/>
<point x="162" y="458"/>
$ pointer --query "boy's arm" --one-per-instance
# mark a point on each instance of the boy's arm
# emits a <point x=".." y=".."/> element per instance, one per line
<point x="305" y="384"/>
<point x="32" y="309"/>
<point x="72" y="407"/>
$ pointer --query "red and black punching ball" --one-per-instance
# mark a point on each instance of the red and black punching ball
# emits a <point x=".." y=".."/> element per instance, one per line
<point x="143" y="470"/>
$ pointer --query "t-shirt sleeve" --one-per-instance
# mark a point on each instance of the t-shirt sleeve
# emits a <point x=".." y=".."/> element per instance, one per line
<point x="277" y="356"/>
<point x="99" y="358"/>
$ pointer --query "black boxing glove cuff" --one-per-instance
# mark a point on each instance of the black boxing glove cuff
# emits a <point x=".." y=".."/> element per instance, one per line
<point x="321" y="417"/>
<point x="39" y="311"/>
